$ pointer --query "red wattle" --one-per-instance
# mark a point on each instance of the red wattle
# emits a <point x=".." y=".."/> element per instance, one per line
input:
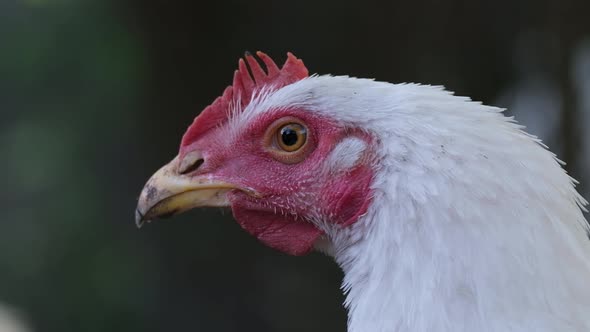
<point x="284" y="233"/>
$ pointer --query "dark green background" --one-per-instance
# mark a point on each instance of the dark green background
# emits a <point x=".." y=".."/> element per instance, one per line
<point x="95" y="95"/>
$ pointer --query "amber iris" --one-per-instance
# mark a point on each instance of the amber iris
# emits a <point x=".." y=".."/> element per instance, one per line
<point x="291" y="137"/>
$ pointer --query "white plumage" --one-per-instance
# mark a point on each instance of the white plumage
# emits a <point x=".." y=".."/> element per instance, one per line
<point x="474" y="225"/>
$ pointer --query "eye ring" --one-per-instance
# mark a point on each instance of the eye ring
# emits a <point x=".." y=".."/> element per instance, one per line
<point x="291" y="137"/>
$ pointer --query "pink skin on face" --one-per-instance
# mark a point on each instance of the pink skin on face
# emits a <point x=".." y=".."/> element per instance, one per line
<point x="289" y="195"/>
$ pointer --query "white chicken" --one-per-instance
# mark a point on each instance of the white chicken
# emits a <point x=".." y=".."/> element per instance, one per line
<point x="443" y="213"/>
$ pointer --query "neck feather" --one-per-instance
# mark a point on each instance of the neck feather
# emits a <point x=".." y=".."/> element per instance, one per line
<point x="474" y="226"/>
<point x="406" y="274"/>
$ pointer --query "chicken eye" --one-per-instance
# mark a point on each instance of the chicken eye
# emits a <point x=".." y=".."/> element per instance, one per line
<point x="291" y="137"/>
<point x="288" y="140"/>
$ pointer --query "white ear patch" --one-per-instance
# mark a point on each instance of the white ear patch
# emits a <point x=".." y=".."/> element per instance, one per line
<point x="346" y="154"/>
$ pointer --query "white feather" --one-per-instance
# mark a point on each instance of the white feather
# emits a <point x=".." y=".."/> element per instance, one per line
<point x="474" y="225"/>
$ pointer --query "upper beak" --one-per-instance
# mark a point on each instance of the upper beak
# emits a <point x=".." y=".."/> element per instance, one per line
<point x="168" y="193"/>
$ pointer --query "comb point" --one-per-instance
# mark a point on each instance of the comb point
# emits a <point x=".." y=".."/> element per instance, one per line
<point x="249" y="77"/>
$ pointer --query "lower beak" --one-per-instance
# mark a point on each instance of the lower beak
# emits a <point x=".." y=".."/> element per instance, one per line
<point x="168" y="193"/>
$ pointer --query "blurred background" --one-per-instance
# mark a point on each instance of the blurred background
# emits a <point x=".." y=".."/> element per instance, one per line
<point x="95" y="96"/>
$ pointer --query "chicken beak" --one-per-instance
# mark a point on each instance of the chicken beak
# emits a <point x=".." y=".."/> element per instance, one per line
<point x="168" y="193"/>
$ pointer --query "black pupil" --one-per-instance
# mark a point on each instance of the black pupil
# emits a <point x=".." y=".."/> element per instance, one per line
<point x="289" y="136"/>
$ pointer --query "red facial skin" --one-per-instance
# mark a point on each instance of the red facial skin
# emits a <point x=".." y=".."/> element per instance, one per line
<point x="289" y="195"/>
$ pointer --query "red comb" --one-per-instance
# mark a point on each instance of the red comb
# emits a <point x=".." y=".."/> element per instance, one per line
<point x="245" y="84"/>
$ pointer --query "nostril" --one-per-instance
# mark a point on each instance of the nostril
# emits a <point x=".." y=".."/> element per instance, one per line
<point x="190" y="162"/>
<point x="191" y="167"/>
